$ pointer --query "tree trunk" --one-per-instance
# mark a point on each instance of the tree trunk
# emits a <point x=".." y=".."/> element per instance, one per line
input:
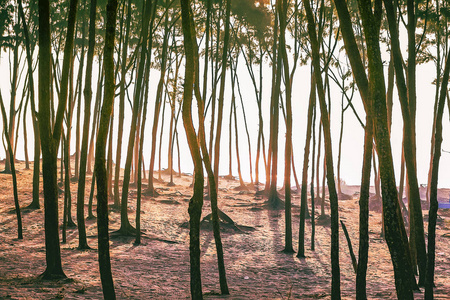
<point x="196" y="202"/>
<point x="125" y="226"/>
<point x="13" y="171"/>
<point x="221" y="92"/>
<point x="96" y="118"/>
<point x="313" y="207"/>
<point x="12" y="103"/>
<point x="335" y="270"/>
<point x="37" y="150"/>
<point x="159" y="91"/>
<point x="82" y="240"/>
<point x="407" y="102"/>
<point x="51" y="137"/>
<point x="80" y="92"/>
<point x="304" y="189"/>
<point x="429" y="282"/>
<point x="282" y="14"/>
<point x="121" y="108"/>
<point x="161" y="134"/>
<point x="104" y="260"/>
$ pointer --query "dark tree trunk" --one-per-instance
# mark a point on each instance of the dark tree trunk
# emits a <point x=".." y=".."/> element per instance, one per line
<point x="37" y="145"/>
<point x="282" y="14"/>
<point x="429" y="282"/>
<point x="335" y="270"/>
<point x="364" y="211"/>
<point x="159" y="92"/>
<point x="398" y="247"/>
<point x="12" y="104"/>
<point x="13" y="171"/>
<point x="121" y="108"/>
<point x="222" y="92"/>
<point x="82" y="240"/>
<point x="125" y="226"/>
<point x="407" y="102"/>
<point x="212" y="177"/>
<point x="313" y="208"/>
<point x="104" y="260"/>
<point x="80" y="92"/>
<point x="304" y="189"/>
<point x="96" y="118"/>
<point x="51" y="137"/>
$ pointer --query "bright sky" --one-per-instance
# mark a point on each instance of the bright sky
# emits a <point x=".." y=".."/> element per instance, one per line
<point x="353" y="133"/>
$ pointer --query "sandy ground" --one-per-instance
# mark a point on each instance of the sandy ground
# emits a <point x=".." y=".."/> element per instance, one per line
<point x="159" y="268"/>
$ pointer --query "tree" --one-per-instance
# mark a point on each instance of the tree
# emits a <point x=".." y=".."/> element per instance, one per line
<point x="222" y="91"/>
<point x="37" y="144"/>
<point x="13" y="171"/>
<point x="104" y="260"/>
<point x="304" y="189"/>
<point x="50" y="136"/>
<point x="196" y="202"/>
<point x="125" y="226"/>
<point x="394" y="227"/>
<point x="282" y="15"/>
<point x="82" y="241"/>
<point x="429" y="280"/>
<point x="407" y="98"/>
<point x="121" y="105"/>
<point x="335" y="270"/>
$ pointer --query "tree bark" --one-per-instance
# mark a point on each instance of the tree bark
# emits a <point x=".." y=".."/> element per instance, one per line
<point x="13" y="171"/>
<point x="104" y="260"/>
<point x="407" y="102"/>
<point x="82" y="240"/>
<point x="335" y="270"/>
<point x="196" y="202"/>
<point x="304" y="190"/>
<point x="429" y="282"/>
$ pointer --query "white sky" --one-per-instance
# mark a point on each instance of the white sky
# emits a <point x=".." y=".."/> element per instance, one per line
<point x="353" y="133"/>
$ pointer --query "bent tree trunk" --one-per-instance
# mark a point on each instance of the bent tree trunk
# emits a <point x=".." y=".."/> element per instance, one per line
<point x="207" y="163"/>
<point x="196" y="202"/>
<point x="13" y="171"/>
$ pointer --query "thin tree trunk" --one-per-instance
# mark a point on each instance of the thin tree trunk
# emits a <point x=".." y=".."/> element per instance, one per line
<point x="150" y="188"/>
<point x="12" y="103"/>
<point x="37" y="150"/>
<point x="304" y="189"/>
<point x="96" y="118"/>
<point x="222" y="92"/>
<point x="313" y="206"/>
<point x="335" y="269"/>
<point x="82" y="240"/>
<point x="429" y="282"/>
<point x="121" y="108"/>
<point x="13" y="171"/>
<point x="125" y="226"/>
